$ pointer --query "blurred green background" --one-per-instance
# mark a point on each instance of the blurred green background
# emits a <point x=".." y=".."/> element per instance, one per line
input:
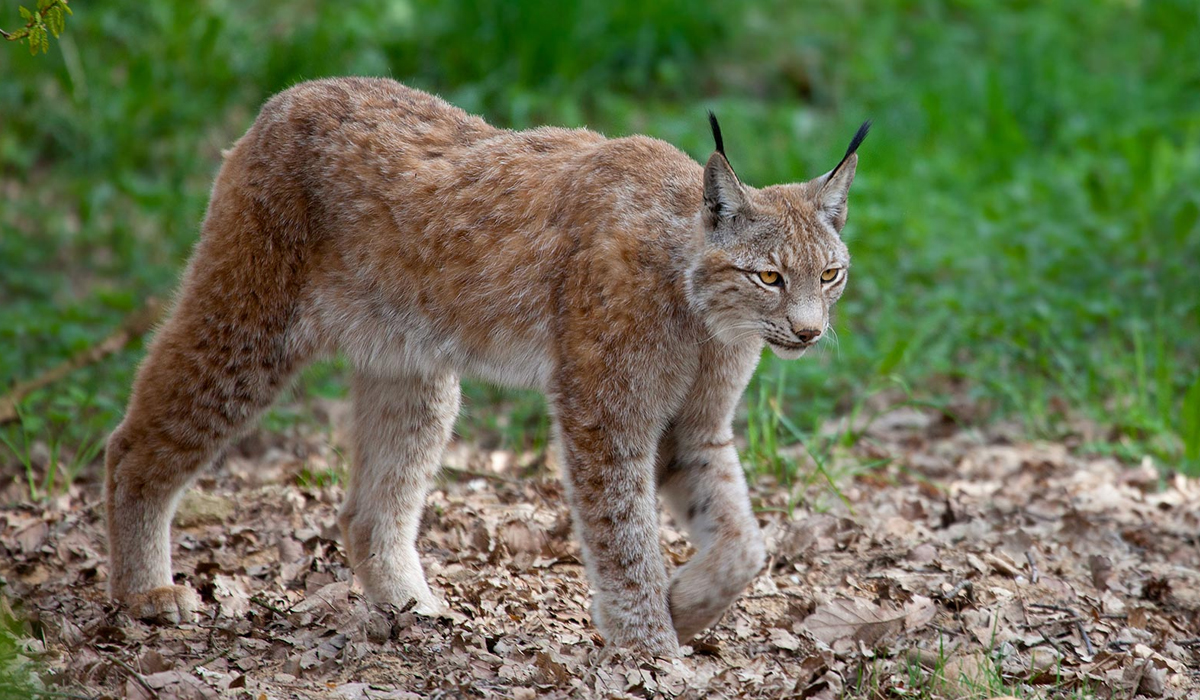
<point x="1025" y="226"/>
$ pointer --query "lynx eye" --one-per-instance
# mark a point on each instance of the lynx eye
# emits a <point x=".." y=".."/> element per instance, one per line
<point x="831" y="274"/>
<point x="769" y="277"/>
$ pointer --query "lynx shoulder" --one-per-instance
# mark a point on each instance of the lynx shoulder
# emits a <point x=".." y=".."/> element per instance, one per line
<point x="632" y="285"/>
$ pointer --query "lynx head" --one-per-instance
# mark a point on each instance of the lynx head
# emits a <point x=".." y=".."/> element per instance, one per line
<point x="774" y="262"/>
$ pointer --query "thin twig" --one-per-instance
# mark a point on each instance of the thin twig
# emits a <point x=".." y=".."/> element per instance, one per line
<point x="264" y="604"/>
<point x="1047" y="623"/>
<point x="785" y="593"/>
<point x="480" y="475"/>
<point x="214" y="657"/>
<point x="1136" y="683"/>
<point x="1055" y="608"/>
<point x="1054" y="646"/>
<point x="366" y="664"/>
<point x="30" y="24"/>
<point x="134" y="326"/>
<point x="1074" y="618"/>
<point x="54" y="693"/>
<point x="1087" y="643"/>
<point x="141" y="680"/>
<point x="963" y="585"/>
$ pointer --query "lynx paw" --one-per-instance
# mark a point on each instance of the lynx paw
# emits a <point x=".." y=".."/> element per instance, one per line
<point x="707" y="585"/>
<point x="169" y="604"/>
<point x="430" y="607"/>
<point x="639" y="636"/>
<point x="693" y="611"/>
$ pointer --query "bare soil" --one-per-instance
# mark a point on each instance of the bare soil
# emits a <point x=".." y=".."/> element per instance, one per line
<point x="963" y="557"/>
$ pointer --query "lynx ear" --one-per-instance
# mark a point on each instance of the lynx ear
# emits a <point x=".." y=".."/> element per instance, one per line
<point x="723" y="196"/>
<point x="833" y="188"/>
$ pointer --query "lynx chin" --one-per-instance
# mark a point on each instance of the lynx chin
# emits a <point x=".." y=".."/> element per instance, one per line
<point x="633" y="286"/>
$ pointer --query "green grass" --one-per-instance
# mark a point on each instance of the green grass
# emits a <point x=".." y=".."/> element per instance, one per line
<point x="1025" y="226"/>
<point x="927" y="675"/>
<point x="919" y="683"/>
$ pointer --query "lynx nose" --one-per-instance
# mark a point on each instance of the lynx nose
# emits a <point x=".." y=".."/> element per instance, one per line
<point x="807" y="335"/>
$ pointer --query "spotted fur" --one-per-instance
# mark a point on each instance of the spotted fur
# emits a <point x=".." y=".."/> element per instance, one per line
<point x="617" y="276"/>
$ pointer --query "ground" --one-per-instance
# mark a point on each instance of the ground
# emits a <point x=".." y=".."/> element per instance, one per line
<point x="961" y="563"/>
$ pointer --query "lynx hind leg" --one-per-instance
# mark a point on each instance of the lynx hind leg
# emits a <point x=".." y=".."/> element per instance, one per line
<point x="201" y="384"/>
<point x="401" y="427"/>
<point x="215" y="365"/>
<point x="708" y="495"/>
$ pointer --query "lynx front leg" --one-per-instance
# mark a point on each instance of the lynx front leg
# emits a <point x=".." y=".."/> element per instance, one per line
<point x="610" y="476"/>
<point x="706" y="491"/>
<point x="400" y="430"/>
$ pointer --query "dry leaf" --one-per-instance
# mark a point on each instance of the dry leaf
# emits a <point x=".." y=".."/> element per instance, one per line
<point x="518" y="632"/>
<point x="919" y="612"/>
<point x="854" y="619"/>
<point x="782" y="639"/>
<point x="233" y="600"/>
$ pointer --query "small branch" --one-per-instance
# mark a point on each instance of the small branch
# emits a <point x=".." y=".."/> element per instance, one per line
<point x="135" y="676"/>
<point x="1047" y="623"/>
<point x="961" y="586"/>
<point x="214" y="657"/>
<point x="134" y="326"/>
<point x="1087" y="643"/>
<point x="53" y="693"/>
<point x="1073" y="619"/>
<point x="264" y="604"/>
<point x="1055" y="608"/>
<point x="38" y="19"/>
<point x="785" y="593"/>
<point x="1056" y="647"/>
<point x="479" y="475"/>
<point x="1034" y="574"/>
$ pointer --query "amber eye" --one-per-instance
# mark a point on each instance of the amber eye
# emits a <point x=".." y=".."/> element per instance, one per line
<point x="769" y="277"/>
<point x="830" y="275"/>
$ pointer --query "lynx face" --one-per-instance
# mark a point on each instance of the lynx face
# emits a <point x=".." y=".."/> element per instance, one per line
<point x="775" y="263"/>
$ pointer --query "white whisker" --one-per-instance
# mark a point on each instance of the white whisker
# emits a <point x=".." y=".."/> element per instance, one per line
<point x="743" y="330"/>
<point x="837" y="343"/>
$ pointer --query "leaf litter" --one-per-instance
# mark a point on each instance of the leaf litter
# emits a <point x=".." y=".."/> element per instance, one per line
<point x="968" y="556"/>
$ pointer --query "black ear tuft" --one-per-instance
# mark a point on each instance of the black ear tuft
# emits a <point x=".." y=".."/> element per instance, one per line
<point x="716" y="129"/>
<point x="859" y="137"/>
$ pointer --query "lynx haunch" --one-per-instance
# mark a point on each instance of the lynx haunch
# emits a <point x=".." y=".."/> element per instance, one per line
<point x="633" y="286"/>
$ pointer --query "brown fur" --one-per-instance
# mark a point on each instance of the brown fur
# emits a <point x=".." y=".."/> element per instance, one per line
<point x="618" y="276"/>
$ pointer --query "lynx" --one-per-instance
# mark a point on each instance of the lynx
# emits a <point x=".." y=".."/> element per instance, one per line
<point x="631" y="285"/>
